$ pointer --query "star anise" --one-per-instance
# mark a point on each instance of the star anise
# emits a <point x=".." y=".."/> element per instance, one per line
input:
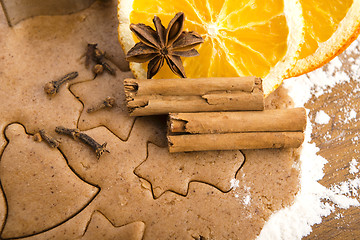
<point x="169" y="43"/>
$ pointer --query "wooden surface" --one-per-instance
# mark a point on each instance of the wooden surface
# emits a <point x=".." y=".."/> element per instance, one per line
<point x="338" y="143"/>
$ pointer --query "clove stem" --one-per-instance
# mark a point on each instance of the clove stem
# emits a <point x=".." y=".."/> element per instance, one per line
<point x="109" y="102"/>
<point x="75" y="133"/>
<point x="51" y="88"/>
<point x="50" y="140"/>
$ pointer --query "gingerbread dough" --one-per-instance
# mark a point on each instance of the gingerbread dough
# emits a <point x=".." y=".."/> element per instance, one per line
<point x="40" y="189"/>
<point x="116" y="118"/>
<point x="216" y="168"/>
<point x="100" y="228"/>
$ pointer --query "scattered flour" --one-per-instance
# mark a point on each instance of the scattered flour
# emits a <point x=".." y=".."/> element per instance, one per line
<point x="322" y="117"/>
<point x="351" y="115"/>
<point x="314" y="200"/>
<point x="353" y="169"/>
<point x="247" y="199"/>
<point x="234" y="183"/>
<point x="338" y="216"/>
<point x="348" y="188"/>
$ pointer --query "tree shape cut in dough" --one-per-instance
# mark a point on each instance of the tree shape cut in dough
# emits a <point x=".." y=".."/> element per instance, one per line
<point x="92" y="93"/>
<point x="40" y="188"/>
<point x="101" y="228"/>
<point x="173" y="172"/>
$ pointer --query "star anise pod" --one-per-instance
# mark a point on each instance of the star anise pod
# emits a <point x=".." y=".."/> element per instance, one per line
<point x="169" y="43"/>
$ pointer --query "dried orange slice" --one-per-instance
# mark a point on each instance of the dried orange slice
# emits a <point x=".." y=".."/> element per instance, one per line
<point x="331" y="25"/>
<point x="241" y="38"/>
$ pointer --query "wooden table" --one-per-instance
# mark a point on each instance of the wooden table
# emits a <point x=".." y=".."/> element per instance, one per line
<point x="338" y="144"/>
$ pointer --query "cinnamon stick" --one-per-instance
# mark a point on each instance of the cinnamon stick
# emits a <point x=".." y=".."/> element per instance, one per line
<point x="279" y="120"/>
<point x="233" y="141"/>
<point x="161" y="96"/>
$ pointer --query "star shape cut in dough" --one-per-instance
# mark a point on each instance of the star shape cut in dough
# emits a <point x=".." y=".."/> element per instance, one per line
<point x="174" y="172"/>
<point x="92" y="93"/>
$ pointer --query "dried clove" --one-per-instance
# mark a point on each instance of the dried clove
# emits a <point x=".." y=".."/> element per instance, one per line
<point x="98" y="148"/>
<point x="75" y="133"/>
<point x="98" y="57"/>
<point x="37" y="137"/>
<point x="89" y="53"/>
<point x="67" y="131"/>
<point x="98" y="69"/>
<point x="51" y="88"/>
<point x="109" y="69"/>
<point x="50" y="140"/>
<point x="109" y="102"/>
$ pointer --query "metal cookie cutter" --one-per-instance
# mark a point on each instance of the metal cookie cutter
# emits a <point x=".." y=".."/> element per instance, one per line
<point x="18" y="10"/>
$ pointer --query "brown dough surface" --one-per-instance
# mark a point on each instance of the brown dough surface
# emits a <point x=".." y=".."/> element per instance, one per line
<point x="213" y="167"/>
<point x="35" y="205"/>
<point x="100" y="228"/>
<point x="138" y="189"/>
<point x="116" y="118"/>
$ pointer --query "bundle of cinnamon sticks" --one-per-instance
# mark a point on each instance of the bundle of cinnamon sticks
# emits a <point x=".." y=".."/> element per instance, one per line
<point x="216" y="113"/>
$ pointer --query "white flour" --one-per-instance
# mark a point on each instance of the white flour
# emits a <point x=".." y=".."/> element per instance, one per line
<point x="322" y="117"/>
<point x="246" y="198"/>
<point x="234" y="183"/>
<point x="310" y="206"/>
<point x="353" y="168"/>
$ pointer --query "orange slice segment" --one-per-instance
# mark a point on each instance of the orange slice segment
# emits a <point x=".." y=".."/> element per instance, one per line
<point x="331" y="25"/>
